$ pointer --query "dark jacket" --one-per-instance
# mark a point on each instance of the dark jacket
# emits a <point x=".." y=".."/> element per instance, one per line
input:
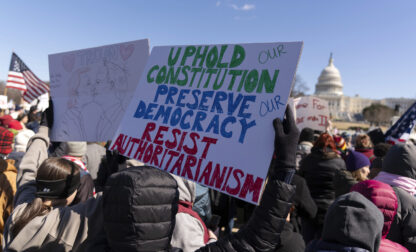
<point x="319" y="169"/>
<point x="139" y="207"/>
<point x="343" y="181"/>
<point x="304" y="205"/>
<point x="262" y="232"/>
<point x="352" y="223"/>
<point x="291" y="241"/>
<point x="403" y="227"/>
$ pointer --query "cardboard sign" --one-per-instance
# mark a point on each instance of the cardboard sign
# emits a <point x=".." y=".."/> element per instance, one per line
<point x="3" y="102"/>
<point x="310" y="112"/>
<point x="92" y="88"/>
<point x="205" y="113"/>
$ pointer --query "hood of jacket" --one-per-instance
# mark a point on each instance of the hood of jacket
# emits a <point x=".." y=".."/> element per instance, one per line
<point x="187" y="189"/>
<point x="401" y="160"/>
<point x="383" y="196"/>
<point x="353" y="221"/>
<point x="324" y="246"/>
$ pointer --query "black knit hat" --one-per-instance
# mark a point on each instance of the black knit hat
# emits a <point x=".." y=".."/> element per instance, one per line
<point x="306" y="135"/>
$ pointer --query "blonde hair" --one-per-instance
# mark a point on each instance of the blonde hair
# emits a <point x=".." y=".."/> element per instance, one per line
<point x="359" y="174"/>
<point x="363" y="141"/>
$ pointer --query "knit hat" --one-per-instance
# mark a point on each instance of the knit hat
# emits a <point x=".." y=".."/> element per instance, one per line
<point x="21" y="140"/>
<point x="5" y="120"/>
<point x="356" y="160"/>
<point x="14" y="124"/>
<point x="76" y="149"/>
<point x="340" y="142"/>
<point x="306" y="135"/>
<point x="6" y="140"/>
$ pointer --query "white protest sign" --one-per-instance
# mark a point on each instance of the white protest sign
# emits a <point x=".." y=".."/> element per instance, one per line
<point x="3" y="102"/>
<point x="310" y="112"/>
<point x="92" y="88"/>
<point x="205" y="113"/>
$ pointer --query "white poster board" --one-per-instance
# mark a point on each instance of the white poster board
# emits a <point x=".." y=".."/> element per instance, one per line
<point x="310" y="112"/>
<point x="92" y="88"/>
<point x="205" y="113"/>
<point x="3" y="102"/>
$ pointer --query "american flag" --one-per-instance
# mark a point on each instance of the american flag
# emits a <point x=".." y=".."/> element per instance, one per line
<point x="400" y="131"/>
<point x="20" y="77"/>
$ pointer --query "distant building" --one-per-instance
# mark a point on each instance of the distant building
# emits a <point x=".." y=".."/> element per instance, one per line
<point x="329" y="87"/>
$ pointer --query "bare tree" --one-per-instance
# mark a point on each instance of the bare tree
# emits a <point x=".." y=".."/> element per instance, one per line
<point x="299" y="87"/>
<point x="12" y="93"/>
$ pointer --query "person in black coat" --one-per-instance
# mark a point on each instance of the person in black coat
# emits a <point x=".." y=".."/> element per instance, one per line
<point x="290" y="241"/>
<point x="263" y="230"/>
<point x="303" y="204"/>
<point x="319" y="169"/>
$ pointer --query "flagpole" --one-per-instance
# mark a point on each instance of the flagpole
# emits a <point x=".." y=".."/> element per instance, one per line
<point x="5" y="86"/>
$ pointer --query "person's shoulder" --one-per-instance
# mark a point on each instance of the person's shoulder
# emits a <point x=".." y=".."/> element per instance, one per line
<point x="406" y="200"/>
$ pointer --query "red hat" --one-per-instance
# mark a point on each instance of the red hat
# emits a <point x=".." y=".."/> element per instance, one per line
<point x="6" y="140"/>
<point x="15" y="124"/>
<point x="5" y="120"/>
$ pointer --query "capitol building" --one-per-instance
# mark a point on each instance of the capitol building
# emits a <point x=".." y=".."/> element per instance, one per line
<point x="329" y="88"/>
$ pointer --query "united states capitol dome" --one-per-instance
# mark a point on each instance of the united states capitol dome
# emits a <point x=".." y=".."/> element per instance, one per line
<point x="329" y="82"/>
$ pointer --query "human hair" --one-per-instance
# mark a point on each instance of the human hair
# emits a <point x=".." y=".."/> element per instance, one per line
<point x="324" y="142"/>
<point x="51" y="169"/>
<point x="359" y="175"/>
<point x="363" y="141"/>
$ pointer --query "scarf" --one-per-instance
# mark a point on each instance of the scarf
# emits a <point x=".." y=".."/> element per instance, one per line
<point x="405" y="183"/>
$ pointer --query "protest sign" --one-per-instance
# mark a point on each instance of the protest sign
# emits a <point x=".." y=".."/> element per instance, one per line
<point x="3" y="102"/>
<point x="92" y="88"/>
<point x="310" y="112"/>
<point x="205" y="113"/>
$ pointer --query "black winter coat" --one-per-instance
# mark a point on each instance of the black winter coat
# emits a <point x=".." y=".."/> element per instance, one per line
<point x="305" y="206"/>
<point x="291" y="241"/>
<point x="139" y="206"/>
<point x="403" y="227"/>
<point x="262" y="232"/>
<point x="319" y="169"/>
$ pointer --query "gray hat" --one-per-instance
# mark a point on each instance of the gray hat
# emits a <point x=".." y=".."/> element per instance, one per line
<point x="76" y="149"/>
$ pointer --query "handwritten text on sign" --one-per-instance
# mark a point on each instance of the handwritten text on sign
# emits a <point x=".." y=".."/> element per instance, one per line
<point x="311" y="112"/>
<point x="205" y="113"/>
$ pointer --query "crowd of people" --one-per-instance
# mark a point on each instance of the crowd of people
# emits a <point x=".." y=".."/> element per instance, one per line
<point x="324" y="192"/>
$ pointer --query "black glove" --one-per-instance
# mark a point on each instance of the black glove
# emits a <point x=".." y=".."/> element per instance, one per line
<point x="285" y="145"/>
<point x="47" y="116"/>
<point x="111" y="163"/>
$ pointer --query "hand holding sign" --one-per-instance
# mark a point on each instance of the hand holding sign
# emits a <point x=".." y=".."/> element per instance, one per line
<point x="285" y="143"/>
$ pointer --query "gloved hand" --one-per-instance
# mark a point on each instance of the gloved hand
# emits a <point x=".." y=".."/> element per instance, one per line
<point x="111" y="163"/>
<point x="285" y="145"/>
<point x="47" y="116"/>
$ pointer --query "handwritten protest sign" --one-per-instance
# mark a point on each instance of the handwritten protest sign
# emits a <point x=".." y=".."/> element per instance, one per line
<point x="92" y="88"/>
<point x="205" y="113"/>
<point x="310" y="112"/>
<point x="3" y="102"/>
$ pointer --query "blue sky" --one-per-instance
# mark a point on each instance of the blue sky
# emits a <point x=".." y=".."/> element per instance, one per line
<point x="372" y="41"/>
